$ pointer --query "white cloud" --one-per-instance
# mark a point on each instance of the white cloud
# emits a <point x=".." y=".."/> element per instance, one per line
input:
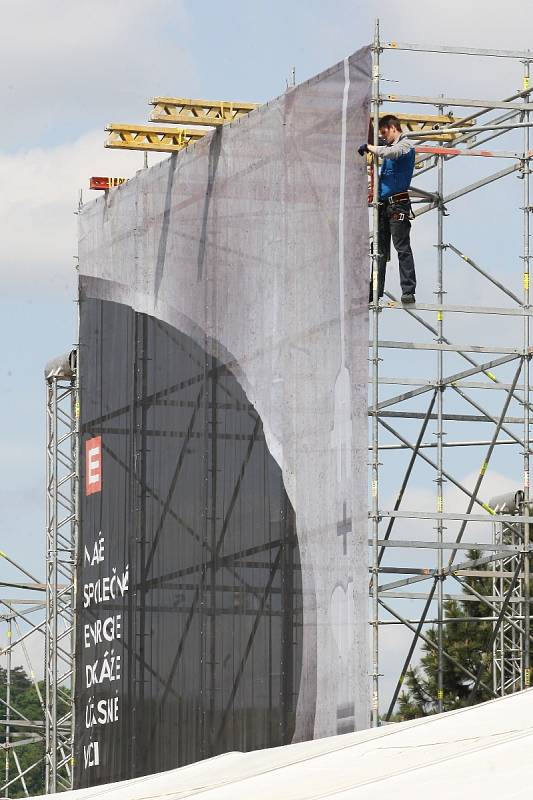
<point x="474" y="24"/>
<point x="67" y="66"/>
<point x="69" y="69"/>
<point x="39" y="236"/>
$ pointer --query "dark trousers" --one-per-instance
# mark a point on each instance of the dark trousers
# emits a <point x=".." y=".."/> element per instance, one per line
<point x="395" y="223"/>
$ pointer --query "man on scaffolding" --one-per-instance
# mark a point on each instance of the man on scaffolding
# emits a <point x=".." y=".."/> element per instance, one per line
<point x="395" y="212"/>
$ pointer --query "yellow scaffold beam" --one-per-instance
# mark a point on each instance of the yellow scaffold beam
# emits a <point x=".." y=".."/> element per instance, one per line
<point x="182" y="111"/>
<point x="150" y="137"/>
<point x="416" y="123"/>
<point x="198" y="112"/>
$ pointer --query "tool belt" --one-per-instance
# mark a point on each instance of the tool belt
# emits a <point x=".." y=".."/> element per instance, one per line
<point x="399" y="197"/>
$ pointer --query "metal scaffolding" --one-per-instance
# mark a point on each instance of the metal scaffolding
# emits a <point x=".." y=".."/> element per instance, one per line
<point x="39" y="615"/>
<point x="453" y="395"/>
<point x="23" y="618"/>
<point x="62" y="481"/>
<point x="508" y="662"/>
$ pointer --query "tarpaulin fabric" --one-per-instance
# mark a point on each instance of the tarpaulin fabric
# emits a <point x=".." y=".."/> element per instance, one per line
<point x="223" y="294"/>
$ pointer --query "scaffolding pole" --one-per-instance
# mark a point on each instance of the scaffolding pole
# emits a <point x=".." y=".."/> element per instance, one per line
<point x="440" y="432"/>
<point x="527" y="358"/>
<point x="7" y="739"/>
<point x="375" y="383"/>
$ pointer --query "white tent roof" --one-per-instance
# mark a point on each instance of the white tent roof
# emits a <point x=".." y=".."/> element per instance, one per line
<point x="484" y="752"/>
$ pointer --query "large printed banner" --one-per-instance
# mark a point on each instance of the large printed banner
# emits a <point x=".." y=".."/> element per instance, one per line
<point x="222" y="578"/>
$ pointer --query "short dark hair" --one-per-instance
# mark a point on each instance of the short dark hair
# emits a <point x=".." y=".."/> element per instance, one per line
<point x="390" y="121"/>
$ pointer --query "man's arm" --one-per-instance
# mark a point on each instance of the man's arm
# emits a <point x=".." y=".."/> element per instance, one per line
<point x="400" y="148"/>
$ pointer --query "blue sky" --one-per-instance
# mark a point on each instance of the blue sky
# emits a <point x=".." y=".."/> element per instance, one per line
<point x="69" y="68"/>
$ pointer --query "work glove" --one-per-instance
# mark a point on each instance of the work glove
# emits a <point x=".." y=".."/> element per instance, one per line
<point x="362" y="149"/>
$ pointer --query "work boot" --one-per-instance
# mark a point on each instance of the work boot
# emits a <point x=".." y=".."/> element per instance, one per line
<point x="407" y="299"/>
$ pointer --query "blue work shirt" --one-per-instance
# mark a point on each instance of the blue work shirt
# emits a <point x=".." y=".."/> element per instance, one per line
<point x="397" y="169"/>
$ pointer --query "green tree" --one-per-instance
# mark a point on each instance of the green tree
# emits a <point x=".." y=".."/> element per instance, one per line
<point x="468" y="643"/>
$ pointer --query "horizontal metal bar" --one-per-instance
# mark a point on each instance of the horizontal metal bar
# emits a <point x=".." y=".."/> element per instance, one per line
<point x="451" y="348"/>
<point x="489" y="126"/>
<point x="436" y="515"/>
<point x="37" y="606"/>
<point x="405" y="382"/>
<point x="457" y="151"/>
<point x="448" y="417"/>
<point x="485" y="573"/>
<point x="444" y="621"/>
<point x="453" y="309"/>
<point x="23" y="723"/>
<point x="408" y="543"/>
<point x="463" y="598"/>
<point x="429" y="571"/>
<point x="37" y="587"/>
<point x="462" y="102"/>
<point x="460" y="51"/>
<point x="433" y="383"/>
<point x="432" y="445"/>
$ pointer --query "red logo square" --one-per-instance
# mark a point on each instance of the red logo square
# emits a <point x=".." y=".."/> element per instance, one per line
<point x="93" y="465"/>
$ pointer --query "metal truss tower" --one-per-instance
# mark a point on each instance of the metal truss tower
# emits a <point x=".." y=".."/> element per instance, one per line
<point x="38" y="616"/>
<point x="465" y="386"/>
<point x="62" y="481"/>
<point x="22" y="619"/>
<point x="508" y="652"/>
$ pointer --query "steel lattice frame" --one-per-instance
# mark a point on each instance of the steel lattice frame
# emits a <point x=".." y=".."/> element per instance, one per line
<point x="61" y="552"/>
<point x="508" y="653"/>
<point x="32" y="622"/>
<point x="507" y="561"/>
<point x="52" y="618"/>
<point x="23" y="618"/>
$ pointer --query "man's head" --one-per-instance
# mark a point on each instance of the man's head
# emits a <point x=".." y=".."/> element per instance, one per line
<point x="390" y="128"/>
